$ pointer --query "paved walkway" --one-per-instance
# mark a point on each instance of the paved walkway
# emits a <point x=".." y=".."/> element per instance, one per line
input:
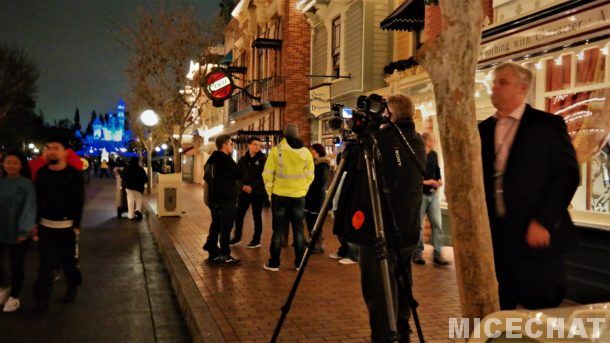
<point x="125" y="297"/>
<point x="244" y="301"/>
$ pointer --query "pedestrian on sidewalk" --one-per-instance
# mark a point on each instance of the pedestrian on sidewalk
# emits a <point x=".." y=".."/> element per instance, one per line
<point x="60" y="192"/>
<point x="317" y="192"/>
<point x="104" y="167"/>
<point x="530" y="175"/>
<point x="288" y="173"/>
<point x="133" y="180"/>
<point x="252" y="191"/>
<point x="18" y="213"/>
<point x="430" y="205"/>
<point x="221" y="174"/>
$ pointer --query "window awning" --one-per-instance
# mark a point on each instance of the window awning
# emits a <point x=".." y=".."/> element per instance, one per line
<point x="267" y="43"/>
<point x="407" y="17"/>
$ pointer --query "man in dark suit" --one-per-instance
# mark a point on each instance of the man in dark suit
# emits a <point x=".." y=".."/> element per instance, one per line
<point x="531" y="174"/>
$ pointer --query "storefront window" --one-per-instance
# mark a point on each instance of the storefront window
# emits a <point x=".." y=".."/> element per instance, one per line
<point x="591" y="67"/>
<point x="559" y="72"/>
<point x="587" y="125"/>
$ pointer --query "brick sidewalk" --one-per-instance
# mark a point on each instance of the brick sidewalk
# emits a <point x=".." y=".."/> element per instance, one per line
<point x="245" y="300"/>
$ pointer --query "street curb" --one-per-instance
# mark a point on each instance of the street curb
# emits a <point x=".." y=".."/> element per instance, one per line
<point x="199" y="319"/>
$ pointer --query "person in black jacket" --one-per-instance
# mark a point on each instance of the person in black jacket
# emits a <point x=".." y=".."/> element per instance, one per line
<point x="530" y="175"/>
<point x="317" y="191"/>
<point x="60" y="193"/>
<point x="133" y="179"/>
<point x="221" y="175"/>
<point x="252" y="191"/>
<point x="403" y="178"/>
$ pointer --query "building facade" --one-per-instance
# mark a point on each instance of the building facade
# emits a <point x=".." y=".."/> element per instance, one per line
<point x="348" y="52"/>
<point x="268" y="55"/>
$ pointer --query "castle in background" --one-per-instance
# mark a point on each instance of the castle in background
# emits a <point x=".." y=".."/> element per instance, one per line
<point x="109" y="132"/>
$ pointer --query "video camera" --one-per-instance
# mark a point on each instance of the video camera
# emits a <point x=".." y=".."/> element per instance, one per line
<point x="367" y="117"/>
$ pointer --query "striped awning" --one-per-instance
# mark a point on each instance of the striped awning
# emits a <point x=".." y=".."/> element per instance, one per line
<point x="407" y="17"/>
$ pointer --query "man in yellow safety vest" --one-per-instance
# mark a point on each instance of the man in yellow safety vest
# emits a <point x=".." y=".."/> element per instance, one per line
<point x="288" y="172"/>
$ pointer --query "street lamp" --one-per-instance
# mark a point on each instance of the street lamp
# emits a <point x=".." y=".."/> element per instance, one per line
<point x="31" y="146"/>
<point x="150" y="119"/>
<point x="164" y="146"/>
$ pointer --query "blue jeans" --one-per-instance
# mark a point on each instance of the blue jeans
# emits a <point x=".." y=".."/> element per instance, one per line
<point x="430" y="206"/>
<point x="287" y="211"/>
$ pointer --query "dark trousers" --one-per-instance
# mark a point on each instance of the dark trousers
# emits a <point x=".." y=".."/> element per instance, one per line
<point x="56" y="249"/>
<point x="223" y="217"/>
<point x="287" y="211"/>
<point x="243" y="203"/>
<point x="374" y="296"/>
<point x="16" y="254"/>
<point x="348" y="250"/>
<point x="533" y="282"/>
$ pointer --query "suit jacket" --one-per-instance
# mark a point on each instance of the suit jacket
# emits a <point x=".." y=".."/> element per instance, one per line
<point x="540" y="179"/>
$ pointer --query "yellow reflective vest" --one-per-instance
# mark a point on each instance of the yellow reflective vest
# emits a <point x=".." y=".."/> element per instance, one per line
<point x="288" y="172"/>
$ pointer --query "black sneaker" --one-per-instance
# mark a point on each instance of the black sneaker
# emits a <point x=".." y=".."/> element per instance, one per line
<point x="235" y="241"/>
<point x="41" y="307"/>
<point x="439" y="261"/>
<point x="418" y="259"/>
<point x="139" y="215"/>
<point x="70" y="296"/>
<point x="253" y="245"/>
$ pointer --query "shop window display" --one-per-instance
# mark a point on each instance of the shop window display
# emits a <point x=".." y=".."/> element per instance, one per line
<point x="587" y="116"/>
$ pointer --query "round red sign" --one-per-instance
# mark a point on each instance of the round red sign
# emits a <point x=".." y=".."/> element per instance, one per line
<point x="218" y="85"/>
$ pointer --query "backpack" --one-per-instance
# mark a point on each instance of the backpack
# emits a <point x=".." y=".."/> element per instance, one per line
<point x="208" y="182"/>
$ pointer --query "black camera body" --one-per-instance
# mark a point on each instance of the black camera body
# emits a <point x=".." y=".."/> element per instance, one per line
<point x="367" y="117"/>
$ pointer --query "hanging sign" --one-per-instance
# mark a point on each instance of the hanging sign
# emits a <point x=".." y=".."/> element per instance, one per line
<point x="319" y="100"/>
<point x="218" y="85"/>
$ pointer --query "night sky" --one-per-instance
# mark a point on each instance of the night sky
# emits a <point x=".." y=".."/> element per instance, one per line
<point x="74" y="43"/>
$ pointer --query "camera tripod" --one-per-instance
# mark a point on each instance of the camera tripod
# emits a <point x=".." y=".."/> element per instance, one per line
<point x="372" y="159"/>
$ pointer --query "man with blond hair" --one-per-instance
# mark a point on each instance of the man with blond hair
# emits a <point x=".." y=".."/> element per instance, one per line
<point x="403" y="179"/>
<point x="530" y="174"/>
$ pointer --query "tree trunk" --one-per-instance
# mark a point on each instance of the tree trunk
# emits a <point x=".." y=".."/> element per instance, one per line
<point x="450" y="60"/>
<point x="177" y="155"/>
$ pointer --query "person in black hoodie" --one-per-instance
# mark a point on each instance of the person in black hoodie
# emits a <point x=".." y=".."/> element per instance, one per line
<point x="317" y="191"/>
<point x="61" y="193"/>
<point x="252" y="192"/>
<point x="404" y="181"/>
<point x="133" y="180"/>
<point x="221" y="176"/>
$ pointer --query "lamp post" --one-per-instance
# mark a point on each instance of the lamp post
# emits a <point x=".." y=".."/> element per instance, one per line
<point x="149" y="118"/>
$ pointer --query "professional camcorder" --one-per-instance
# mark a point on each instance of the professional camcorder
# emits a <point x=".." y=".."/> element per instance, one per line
<point x="367" y="117"/>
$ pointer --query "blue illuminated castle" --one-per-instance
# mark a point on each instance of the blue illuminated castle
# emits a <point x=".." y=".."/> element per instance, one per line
<point x="108" y="131"/>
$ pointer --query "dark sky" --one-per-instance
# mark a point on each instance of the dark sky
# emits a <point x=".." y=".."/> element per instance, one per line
<point x="74" y="43"/>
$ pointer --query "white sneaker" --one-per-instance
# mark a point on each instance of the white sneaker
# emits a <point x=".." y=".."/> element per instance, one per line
<point x="11" y="305"/>
<point x="347" y="261"/>
<point x="4" y="294"/>
<point x="335" y="256"/>
<point x="271" y="269"/>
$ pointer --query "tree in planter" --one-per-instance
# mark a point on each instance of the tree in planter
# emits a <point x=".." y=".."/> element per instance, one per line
<point x="450" y="59"/>
<point x="162" y="45"/>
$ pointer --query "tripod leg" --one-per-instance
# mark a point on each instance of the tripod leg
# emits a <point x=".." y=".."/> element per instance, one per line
<point x="315" y="234"/>
<point x="381" y="241"/>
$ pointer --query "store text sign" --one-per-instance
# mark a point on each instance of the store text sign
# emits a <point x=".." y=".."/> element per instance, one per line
<point x="594" y="20"/>
<point x="319" y="100"/>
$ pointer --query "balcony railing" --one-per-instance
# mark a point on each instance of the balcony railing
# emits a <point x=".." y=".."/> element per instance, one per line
<point x="271" y="91"/>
